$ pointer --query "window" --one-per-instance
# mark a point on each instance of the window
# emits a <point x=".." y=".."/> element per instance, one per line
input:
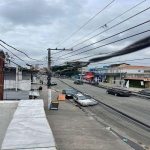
<point x="139" y="70"/>
<point x="146" y="71"/>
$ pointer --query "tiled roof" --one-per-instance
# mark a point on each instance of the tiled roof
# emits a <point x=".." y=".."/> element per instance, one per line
<point x="135" y="67"/>
<point x="141" y="79"/>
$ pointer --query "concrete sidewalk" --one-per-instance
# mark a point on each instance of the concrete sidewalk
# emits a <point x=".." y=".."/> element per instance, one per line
<point x="109" y="85"/>
<point x="73" y="129"/>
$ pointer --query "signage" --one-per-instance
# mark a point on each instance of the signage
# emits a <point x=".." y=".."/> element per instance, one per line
<point x="105" y="67"/>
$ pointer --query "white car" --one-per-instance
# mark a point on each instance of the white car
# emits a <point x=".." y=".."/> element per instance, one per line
<point x="83" y="100"/>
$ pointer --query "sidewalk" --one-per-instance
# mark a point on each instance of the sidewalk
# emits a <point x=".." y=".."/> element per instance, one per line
<point x="109" y="85"/>
<point x="73" y="129"/>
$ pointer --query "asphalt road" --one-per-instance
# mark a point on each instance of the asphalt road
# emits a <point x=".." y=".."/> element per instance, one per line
<point x="133" y="106"/>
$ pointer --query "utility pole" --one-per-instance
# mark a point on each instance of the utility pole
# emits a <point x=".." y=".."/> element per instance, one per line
<point x="50" y="74"/>
<point x="16" y="77"/>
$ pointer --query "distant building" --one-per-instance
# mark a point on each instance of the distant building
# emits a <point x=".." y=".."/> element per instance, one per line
<point x="138" y="76"/>
<point x="21" y="80"/>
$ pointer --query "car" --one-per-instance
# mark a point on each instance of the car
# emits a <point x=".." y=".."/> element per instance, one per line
<point x="78" y="81"/>
<point x="83" y="100"/>
<point x="69" y="92"/>
<point x="145" y="92"/>
<point x="119" y="92"/>
<point x="95" y="83"/>
<point x="90" y="97"/>
<point x="53" y="83"/>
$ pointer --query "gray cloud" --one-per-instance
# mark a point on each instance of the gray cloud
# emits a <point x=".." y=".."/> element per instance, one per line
<point x="30" y="12"/>
<point x="35" y="25"/>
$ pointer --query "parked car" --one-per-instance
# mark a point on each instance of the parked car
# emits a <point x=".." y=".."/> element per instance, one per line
<point x="145" y="92"/>
<point x="83" y="100"/>
<point x="53" y="83"/>
<point x="69" y="93"/>
<point x="119" y="92"/>
<point x="78" y="81"/>
<point x="95" y="83"/>
<point x="90" y="97"/>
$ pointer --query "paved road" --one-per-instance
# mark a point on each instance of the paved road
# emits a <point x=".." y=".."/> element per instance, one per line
<point x="73" y="129"/>
<point x="133" y="106"/>
<point x="136" y="107"/>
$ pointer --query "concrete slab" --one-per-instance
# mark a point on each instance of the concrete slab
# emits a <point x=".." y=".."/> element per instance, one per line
<point x="31" y="103"/>
<point x="7" y="109"/>
<point x="29" y="112"/>
<point x="51" y="148"/>
<point x="26" y="133"/>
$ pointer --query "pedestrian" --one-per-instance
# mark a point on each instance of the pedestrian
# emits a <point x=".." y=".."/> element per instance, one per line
<point x="40" y="88"/>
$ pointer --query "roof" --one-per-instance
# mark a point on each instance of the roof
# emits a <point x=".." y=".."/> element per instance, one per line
<point x="10" y="94"/>
<point x="79" y="94"/>
<point x="23" y="69"/>
<point x="134" y="67"/>
<point x="87" y="77"/>
<point x="140" y="79"/>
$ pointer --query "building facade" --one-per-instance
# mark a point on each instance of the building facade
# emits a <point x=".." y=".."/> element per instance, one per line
<point x="138" y="76"/>
<point x="18" y="78"/>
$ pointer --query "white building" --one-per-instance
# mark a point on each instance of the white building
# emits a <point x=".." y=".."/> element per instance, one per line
<point x="137" y="75"/>
<point x="21" y="79"/>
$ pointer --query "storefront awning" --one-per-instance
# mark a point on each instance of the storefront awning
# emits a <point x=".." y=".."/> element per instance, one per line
<point x="87" y="77"/>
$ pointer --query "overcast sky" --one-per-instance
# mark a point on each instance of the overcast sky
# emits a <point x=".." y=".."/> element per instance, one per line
<point x="33" y="26"/>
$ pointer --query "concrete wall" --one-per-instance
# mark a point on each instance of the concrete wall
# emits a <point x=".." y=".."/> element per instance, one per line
<point x="7" y="109"/>
<point x="135" y="71"/>
<point x="24" y="85"/>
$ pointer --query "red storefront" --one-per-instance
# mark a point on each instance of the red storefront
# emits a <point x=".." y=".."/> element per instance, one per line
<point x="88" y="76"/>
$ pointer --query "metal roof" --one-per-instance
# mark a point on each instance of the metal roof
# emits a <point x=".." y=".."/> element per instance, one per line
<point x="13" y="95"/>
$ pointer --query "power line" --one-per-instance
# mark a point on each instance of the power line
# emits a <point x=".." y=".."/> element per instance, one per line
<point x="12" y="53"/>
<point x="122" y="61"/>
<point x="114" y="25"/>
<point x="85" y="23"/>
<point x="18" y="50"/>
<point x="136" y="46"/>
<point x="141" y="44"/>
<point x="105" y="24"/>
<point x="15" y="63"/>
<point x="111" y="36"/>
<point x="111" y="42"/>
<point x="129" y="49"/>
<point x="108" y="22"/>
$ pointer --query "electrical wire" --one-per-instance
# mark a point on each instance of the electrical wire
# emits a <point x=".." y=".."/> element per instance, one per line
<point x="103" y="25"/>
<point x="111" y="36"/>
<point x="144" y="43"/>
<point x="115" y="25"/>
<point x="85" y="24"/>
<point x="122" y="61"/>
<point x="18" y="50"/>
<point x="111" y="43"/>
<point x="141" y="44"/>
<point x="15" y="63"/>
<point x="12" y="53"/>
<point x="108" y="22"/>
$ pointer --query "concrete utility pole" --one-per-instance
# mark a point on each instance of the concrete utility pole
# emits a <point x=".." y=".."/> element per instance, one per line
<point x="16" y="77"/>
<point x="50" y="74"/>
